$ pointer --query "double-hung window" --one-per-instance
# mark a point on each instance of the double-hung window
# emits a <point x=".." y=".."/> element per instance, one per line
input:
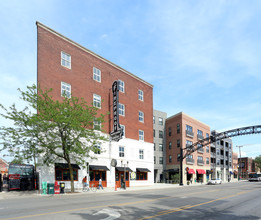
<point x="141" y="116"/>
<point x="121" y="109"/>
<point x="66" y="60"/>
<point x="123" y="130"/>
<point x="96" y="74"/>
<point x="160" y="121"/>
<point x="96" y="125"/>
<point x="140" y="94"/>
<point x="121" y="86"/>
<point x="141" y="135"/>
<point x="141" y="154"/>
<point x="96" y="101"/>
<point x="121" y="151"/>
<point x="65" y="90"/>
<point x="97" y="149"/>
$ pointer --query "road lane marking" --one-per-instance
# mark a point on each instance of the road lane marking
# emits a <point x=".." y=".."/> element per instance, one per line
<point x="103" y="206"/>
<point x="178" y="209"/>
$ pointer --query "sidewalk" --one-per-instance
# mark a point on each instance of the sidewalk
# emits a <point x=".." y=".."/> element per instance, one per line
<point x="23" y="194"/>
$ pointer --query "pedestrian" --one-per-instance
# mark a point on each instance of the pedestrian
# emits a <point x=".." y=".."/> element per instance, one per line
<point x="84" y="181"/>
<point x="100" y="184"/>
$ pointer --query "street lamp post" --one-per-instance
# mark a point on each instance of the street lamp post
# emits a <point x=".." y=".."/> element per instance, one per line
<point x="240" y="162"/>
<point x="181" y="166"/>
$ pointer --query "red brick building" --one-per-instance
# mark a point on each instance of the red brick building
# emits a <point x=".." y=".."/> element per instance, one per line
<point x="182" y="130"/>
<point x="69" y="68"/>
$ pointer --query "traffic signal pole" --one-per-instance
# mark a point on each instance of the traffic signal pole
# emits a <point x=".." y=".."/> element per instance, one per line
<point x="181" y="167"/>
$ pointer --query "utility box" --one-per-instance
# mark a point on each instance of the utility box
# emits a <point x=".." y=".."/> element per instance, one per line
<point x="62" y="186"/>
<point x="50" y="188"/>
<point x="44" y="187"/>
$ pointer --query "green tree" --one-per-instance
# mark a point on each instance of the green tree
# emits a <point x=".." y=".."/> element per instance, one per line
<point x="52" y="130"/>
<point x="17" y="160"/>
<point x="258" y="162"/>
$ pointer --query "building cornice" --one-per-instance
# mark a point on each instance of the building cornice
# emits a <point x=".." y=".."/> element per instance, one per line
<point x="38" y="24"/>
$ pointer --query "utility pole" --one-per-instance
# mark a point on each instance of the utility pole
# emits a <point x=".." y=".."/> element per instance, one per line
<point x="181" y="166"/>
<point x="240" y="162"/>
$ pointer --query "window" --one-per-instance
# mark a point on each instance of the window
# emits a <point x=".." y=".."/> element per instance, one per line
<point x="178" y="143"/>
<point x="200" y="158"/>
<point x="153" y="132"/>
<point x="96" y="74"/>
<point x="97" y="149"/>
<point x="160" y="134"/>
<point x="161" y="160"/>
<point x="121" y="151"/>
<point x="188" y="143"/>
<point x="141" y="154"/>
<point x="153" y="119"/>
<point x="178" y="128"/>
<point x="170" y="145"/>
<point x="141" y="176"/>
<point x="123" y="130"/>
<point x="154" y="160"/>
<point x="63" y="174"/>
<point x="66" y="60"/>
<point x="170" y="158"/>
<point x="207" y="160"/>
<point x="169" y="131"/>
<point x="154" y="146"/>
<point x="141" y="135"/>
<point x="96" y="101"/>
<point x="160" y="121"/>
<point x="121" y="86"/>
<point x="189" y="128"/>
<point x="178" y="157"/>
<point x="140" y="93"/>
<point x="160" y="147"/>
<point x="96" y="125"/>
<point x="200" y="132"/>
<point x="207" y="135"/>
<point x="207" y="149"/>
<point x="65" y="90"/>
<point x="218" y="162"/>
<point x="217" y="151"/>
<point x="141" y="116"/>
<point x="121" y="109"/>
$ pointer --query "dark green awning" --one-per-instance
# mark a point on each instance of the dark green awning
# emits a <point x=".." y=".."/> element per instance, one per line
<point x="142" y="169"/>
<point x="98" y="167"/>
<point x="123" y="169"/>
<point x="66" y="166"/>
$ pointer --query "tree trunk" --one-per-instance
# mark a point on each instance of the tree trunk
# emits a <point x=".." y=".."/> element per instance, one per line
<point x="71" y="176"/>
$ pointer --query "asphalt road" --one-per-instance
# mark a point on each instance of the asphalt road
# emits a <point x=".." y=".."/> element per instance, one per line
<point x="226" y="201"/>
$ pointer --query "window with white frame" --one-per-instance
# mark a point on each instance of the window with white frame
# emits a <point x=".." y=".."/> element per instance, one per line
<point x="160" y="134"/>
<point x="153" y="119"/>
<point x="160" y="147"/>
<point x="170" y="158"/>
<point x="121" y="151"/>
<point x="160" y="160"/>
<point x="140" y="93"/>
<point x="96" y="101"/>
<point x="65" y="90"/>
<point x="96" y="125"/>
<point x="66" y="60"/>
<point x="96" y="74"/>
<point x="141" y="154"/>
<point x="121" y="86"/>
<point x="97" y="149"/>
<point x="141" y="135"/>
<point x="121" y="109"/>
<point x="141" y="116"/>
<point x="160" y="121"/>
<point x="207" y="160"/>
<point x="123" y="130"/>
<point x="154" y="160"/>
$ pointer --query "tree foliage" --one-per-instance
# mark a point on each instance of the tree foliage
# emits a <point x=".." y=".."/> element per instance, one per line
<point x="258" y="162"/>
<point x="52" y="130"/>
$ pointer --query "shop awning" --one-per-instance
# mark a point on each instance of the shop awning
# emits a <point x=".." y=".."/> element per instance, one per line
<point x="65" y="166"/>
<point x="142" y="170"/>
<point x="175" y="170"/>
<point x="191" y="171"/>
<point x="97" y="167"/>
<point x="127" y="169"/>
<point x="201" y="171"/>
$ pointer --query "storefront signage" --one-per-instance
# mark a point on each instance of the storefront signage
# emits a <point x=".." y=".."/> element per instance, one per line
<point x="116" y="134"/>
<point x="133" y="176"/>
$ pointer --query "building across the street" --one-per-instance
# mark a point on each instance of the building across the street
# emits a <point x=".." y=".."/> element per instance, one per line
<point x="182" y="130"/>
<point x="245" y="166"/>
<point x="221" y="160"/>
<point x="159" y="133"/>
<point x="69" y="68"/>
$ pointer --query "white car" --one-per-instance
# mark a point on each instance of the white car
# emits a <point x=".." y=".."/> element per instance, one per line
<point x="214" y="181"/>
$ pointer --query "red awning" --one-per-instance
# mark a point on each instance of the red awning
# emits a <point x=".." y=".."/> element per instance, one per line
<point x="191" y="171"/>
<point x="201" y="171"/>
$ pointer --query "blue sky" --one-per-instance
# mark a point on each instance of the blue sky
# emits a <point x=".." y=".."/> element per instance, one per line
<point x="203" y="57"/>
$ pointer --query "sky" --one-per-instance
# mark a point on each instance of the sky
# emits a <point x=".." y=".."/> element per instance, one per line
<point x="203" y="57"/>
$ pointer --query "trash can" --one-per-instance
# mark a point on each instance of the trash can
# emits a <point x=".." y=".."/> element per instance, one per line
<point x="44" y="187"/>
<point x="50" y="188"/>
<point x="62" y="186"/>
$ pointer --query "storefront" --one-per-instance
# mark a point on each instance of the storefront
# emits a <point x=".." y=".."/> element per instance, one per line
<point x="200" y="175"/>
<point x="96" y="173"/>
<point x="190" y="173"/>
<point x="120" y="173"/>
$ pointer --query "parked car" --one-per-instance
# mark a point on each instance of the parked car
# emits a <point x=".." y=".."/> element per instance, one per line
<point x="214" y="181"/>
